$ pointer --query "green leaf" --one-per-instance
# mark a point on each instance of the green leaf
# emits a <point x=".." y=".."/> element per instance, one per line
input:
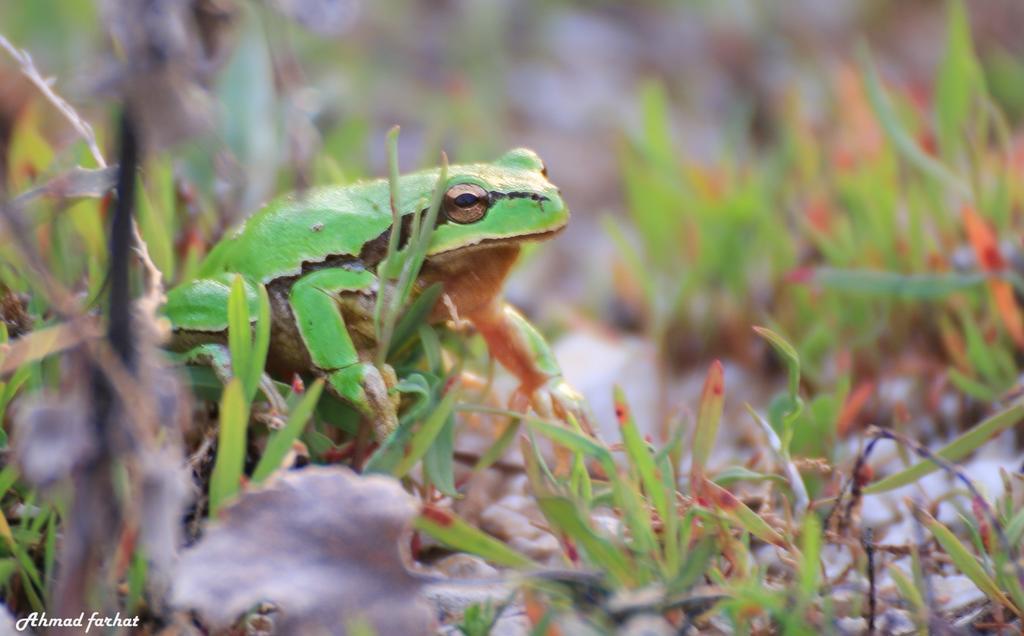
<point x="8" y="476"/>
<point x="634" y="512"/>
<point x="159" y="238"/>
<point x="456" y="533"/>
<point x="958" y="81"/>
<point x="670" y="519"/>
<point x="240" y="332"/>
<point x="438" y="466"/>
<point x="229" y="464"/>
<point x="970" y="386"/>
<point x="908" y="591"/>
<point x="564" y="515"/>
<point x="10" y="389"/>
<point x="640" y="456"/>
<point x="1015" y="528"/>
<point x="904" y="142"/>
<point x="427" y="433"/>
<point x="260" y="347"/>
<point x="403" y="266"/>
<point x="709" y="417"/>
<point x="415" y="316"/>
<point x="8" y="566"/>
<point x="865" y="282"/>
<point x="810" y="564"/>
<point x="136" y="581"/>
<point x="789" y="357"/>
<point x="746" y="518"/>
<point x="966" y="562"/>
<point x="695" y="566"/>
<point x="574" y="441"/>
<point x="280" y="441"/>
<point x="954" y="451"/>
<point x="734" y="474"/>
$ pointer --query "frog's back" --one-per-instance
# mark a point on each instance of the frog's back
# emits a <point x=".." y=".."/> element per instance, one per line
<point x="305" y="227"/>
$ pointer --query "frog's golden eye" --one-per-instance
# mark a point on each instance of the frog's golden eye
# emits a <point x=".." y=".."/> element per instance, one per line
<point x="465" y="203"/>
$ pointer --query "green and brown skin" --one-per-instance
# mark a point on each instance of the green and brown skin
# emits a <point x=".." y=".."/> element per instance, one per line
<point x="317" y="254"/>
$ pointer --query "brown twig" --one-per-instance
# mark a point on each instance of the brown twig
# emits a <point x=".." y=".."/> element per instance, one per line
<point x="97" y="514"/>
<point x="867" y="541"/>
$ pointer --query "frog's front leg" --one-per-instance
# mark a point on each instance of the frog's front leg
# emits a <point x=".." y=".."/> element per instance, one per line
<point x="520" y="348"/>
<point x="322" y="327"/>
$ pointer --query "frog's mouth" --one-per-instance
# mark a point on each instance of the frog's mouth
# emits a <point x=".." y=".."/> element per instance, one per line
<point x="498" y="242"/>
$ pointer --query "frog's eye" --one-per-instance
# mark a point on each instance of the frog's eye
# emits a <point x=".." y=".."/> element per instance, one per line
<point x="465" y="203"/>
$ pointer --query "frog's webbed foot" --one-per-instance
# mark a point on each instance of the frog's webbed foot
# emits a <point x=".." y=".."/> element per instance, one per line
<point x="367" y="389"/>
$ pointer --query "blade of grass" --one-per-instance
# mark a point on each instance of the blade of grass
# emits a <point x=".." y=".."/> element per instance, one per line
<point x="954" y="451"/>
<point x="957" y="79"/>
<point x="746" y="518"/>
<point x="670" y="519"/>
<point x="893" y="285"/>
<point x="708" y="418"/>
<point x="415" y="315"/>
<point x="424" y="437"/>
<point x="456" y="533"/>
<point x="966" y="562"/>
<point x="810" y="564"/>
<point x="229" y="464"/>
<point x="260" y="346"/>
<point x="240" y="334"/>
<point x="639" y="455"/>
<point x="910" y="593"/>
<point x="789" y="358"/>
<point x="438" y="461"/>
<point x="898" y="135"/>
<point x="564" y="515"/>
<point x="574" y="441"/>
<point x="411" y="258"/>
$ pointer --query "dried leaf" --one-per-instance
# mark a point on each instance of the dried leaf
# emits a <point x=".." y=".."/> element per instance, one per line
<point x="51" y="438"/>
<point x="165" y="492"/>
<point x="321" y="544"/>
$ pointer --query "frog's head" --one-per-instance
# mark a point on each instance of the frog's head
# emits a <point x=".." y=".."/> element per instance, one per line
<point x="507" y="201"/>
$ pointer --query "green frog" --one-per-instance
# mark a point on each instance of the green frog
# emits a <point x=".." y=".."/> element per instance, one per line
<point x="317" y="253"/>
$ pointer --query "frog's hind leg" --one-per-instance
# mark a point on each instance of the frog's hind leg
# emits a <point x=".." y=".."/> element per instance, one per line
<point x="322" y="327"/>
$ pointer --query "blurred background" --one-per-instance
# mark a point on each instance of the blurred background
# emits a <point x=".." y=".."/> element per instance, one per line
<point x="715" y="154"/>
